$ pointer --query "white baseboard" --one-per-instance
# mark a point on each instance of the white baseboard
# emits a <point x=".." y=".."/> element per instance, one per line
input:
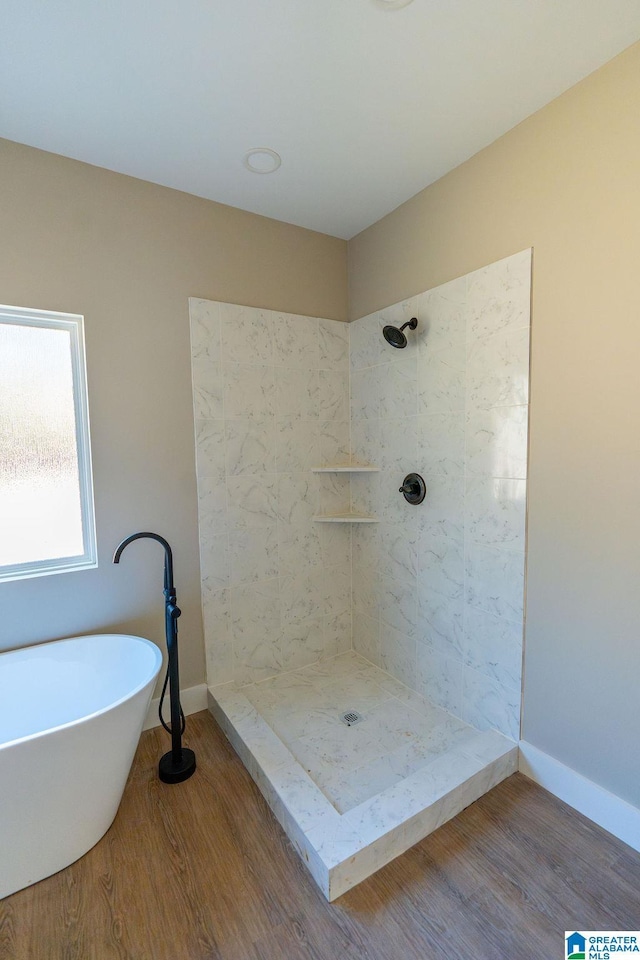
<point x="192" y="699"/>
<point x="611" y="813"/>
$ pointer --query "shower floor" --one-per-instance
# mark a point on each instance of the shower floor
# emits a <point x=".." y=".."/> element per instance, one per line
<point x="351" y="798"/>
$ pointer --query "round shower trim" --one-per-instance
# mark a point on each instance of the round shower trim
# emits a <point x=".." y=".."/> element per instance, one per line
<point x="413" y="488"/>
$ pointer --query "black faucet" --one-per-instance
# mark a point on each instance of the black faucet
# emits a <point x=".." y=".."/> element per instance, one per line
<point x="180" y="763"/>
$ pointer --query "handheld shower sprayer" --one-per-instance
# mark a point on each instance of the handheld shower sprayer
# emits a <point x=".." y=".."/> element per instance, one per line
<point x="180" y="763"/>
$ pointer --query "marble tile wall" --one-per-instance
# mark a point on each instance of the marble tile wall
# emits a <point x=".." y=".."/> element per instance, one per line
<point x="438" y="588"/>
<point x="271" y="400"/>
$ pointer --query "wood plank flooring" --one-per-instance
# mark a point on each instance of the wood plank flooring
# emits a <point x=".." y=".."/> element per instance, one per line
<point x="202" y="871"/>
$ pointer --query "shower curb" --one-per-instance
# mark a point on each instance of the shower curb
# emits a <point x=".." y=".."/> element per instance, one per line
<point x="341" y="850"/>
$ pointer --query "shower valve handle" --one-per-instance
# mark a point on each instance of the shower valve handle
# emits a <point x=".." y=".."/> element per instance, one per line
<point x="413" y="488"/>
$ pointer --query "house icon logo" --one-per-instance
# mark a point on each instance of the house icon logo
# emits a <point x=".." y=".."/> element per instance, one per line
<point x="576" y="947"/>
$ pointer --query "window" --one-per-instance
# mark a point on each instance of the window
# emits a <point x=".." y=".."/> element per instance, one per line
<point x="47" y="522"/>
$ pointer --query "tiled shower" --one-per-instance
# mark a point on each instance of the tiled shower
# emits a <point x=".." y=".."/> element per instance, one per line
<point x="429" y="597"/>
<point x="438" y="588"/>
<point x="271" y="400"/>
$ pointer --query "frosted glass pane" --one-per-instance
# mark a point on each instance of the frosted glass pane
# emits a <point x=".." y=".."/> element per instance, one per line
<point x="40" y="507"/>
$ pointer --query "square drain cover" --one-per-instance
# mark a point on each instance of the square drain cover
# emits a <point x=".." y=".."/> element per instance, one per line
<point x="351" y="717"/>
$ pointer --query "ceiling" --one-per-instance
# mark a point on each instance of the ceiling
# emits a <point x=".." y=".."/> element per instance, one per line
<point x="366" y="104"/>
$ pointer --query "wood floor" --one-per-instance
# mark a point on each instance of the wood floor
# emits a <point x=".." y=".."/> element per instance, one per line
<point x="201" y="870"/>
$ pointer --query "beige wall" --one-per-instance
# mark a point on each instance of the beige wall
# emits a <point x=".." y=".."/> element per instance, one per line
<point x="567" y="182"/>
<point x="128" y="254"/>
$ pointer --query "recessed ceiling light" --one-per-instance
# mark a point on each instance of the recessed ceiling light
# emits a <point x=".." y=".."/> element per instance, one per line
<point x="262" y="160"/>
<point x="393" y="4"/>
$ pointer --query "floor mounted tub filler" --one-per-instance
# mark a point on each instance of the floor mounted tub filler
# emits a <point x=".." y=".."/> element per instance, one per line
<point x="71" y="714"/>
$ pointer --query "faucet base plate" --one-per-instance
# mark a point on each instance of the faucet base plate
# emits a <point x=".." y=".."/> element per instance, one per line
<point x="171" y="772"/>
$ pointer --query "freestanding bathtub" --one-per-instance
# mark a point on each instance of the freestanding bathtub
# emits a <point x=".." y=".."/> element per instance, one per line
<point x="71" y="714"/>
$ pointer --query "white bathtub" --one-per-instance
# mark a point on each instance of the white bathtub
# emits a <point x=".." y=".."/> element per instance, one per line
<point x="71" y="713"/>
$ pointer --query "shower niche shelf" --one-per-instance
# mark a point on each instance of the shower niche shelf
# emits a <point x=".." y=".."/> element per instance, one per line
<point x="346" y="468"/>
<point x="345" y="518"/>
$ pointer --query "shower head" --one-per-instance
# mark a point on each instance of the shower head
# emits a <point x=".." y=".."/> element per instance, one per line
<point x="395" y="336"/>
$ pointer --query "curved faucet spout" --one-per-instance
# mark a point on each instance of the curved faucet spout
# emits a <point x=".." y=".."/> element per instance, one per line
<point x="169" y="588"/>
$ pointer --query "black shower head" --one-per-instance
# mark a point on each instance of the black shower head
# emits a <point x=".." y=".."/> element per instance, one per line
<point x="395" y="336"/>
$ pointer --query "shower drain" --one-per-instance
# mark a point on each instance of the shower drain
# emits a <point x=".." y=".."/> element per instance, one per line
<point x="351" y="717"/>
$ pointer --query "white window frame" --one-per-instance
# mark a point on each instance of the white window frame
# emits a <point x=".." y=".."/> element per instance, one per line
<point x="74" y="324"/>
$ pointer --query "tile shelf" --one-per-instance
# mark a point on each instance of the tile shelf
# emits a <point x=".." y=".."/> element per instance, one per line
<point x="345" y="518"/>
<point x="346" y="468"/>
